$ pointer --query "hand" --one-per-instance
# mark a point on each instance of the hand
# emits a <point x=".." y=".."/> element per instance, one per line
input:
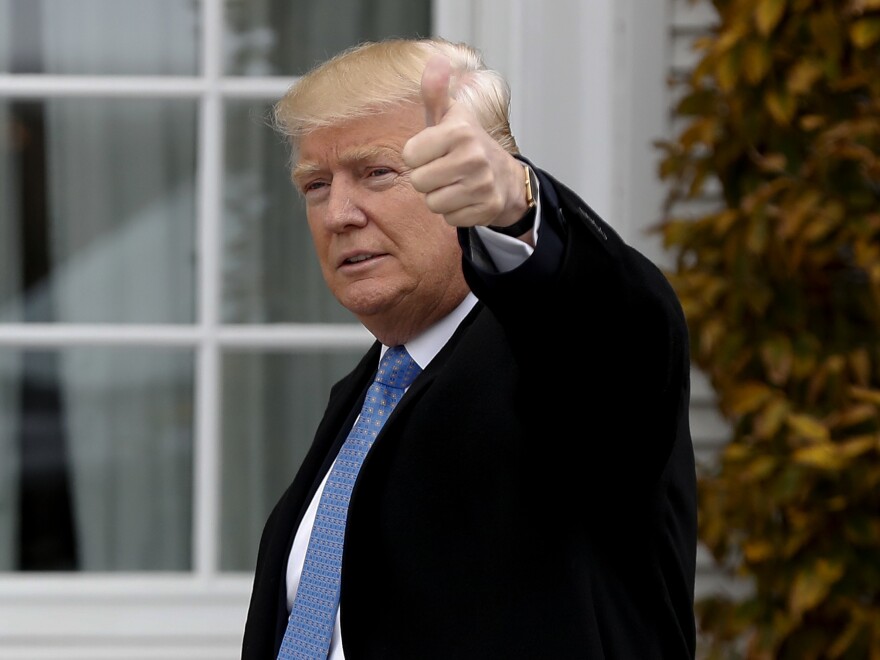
<point x="465" y="174"/>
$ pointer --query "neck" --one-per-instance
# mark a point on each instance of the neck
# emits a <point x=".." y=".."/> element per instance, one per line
<point x="394" y="329"/>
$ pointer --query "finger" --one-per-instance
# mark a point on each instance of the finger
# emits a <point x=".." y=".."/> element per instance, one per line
<point x="435" y="88"/>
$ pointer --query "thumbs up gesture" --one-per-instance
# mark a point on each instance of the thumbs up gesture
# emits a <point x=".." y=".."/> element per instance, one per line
<point x="465" y="174"/>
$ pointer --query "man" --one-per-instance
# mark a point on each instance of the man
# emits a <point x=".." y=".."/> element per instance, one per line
<point x="532" y="495"/>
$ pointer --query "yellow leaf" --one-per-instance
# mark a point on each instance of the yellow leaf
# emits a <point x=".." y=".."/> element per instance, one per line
<point x="758" y="550"/>
<point x="759" y="468"/>
<point x="859" y="445"/>
<point x="865" y="32"/>
<point x="819" y="227"/>
<point x="725" y="220"/>
<point x="756" y="238"/>
<point x="777" y="356"/>
<point x="727" y="71"/>
<point x="822" y="457"/>
<point x="808" y="428"/>
<point x="768" y="14"/>
<point x="748" y="397"/>
<point x="812" y="585"/>
<point x="800" y="208"/>
<point x="865" y="394"/>
<point x="812" y="122"/>
<point x="860" y="363"/>
<point x="728" y="39"/>
<point x="711" y="333"/>
<point x="772" y="162"/>
<point x="852" y="415"/>
<point x="845" y="640"/>
<point x="794" y="541"/>
<point x="827" y="32"/>
<point x="756" y="61"/>
<point x="770" y="419"/>
<point x="802" y="76"/>
<point x="781" y="106"/>
<point x="736" y="452"/>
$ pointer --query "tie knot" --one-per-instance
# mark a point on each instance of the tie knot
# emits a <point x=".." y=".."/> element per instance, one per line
<point x="397" y="368"/>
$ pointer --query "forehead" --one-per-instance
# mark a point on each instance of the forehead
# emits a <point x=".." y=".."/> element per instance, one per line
<point x="360" y="138"/>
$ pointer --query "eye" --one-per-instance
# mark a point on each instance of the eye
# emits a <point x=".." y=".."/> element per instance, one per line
<point x="377" y="172"/>
<point x="310" y="186"/>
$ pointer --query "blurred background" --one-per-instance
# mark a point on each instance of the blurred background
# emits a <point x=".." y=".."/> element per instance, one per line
<point x="166" y="340"/>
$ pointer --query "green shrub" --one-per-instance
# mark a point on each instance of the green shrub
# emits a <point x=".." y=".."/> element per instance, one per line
<point x="781" y="287"/>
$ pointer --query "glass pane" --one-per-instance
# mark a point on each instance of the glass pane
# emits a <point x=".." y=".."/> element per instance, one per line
<point x="271" y="273"/>
<point x="96" y="459"/>
<point x="287" y="37"/>
<point x="95" y="37"/>
<point x="272" y="403"/>
<point x="97" y="215"/>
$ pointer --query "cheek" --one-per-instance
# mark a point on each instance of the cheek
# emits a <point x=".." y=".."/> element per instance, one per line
<point x="441" y="247"/>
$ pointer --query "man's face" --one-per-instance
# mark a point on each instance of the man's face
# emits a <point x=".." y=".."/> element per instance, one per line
<point x="384" y="255"/>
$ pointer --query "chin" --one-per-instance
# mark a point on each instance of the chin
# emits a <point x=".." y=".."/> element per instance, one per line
<point x="366" y="305"/>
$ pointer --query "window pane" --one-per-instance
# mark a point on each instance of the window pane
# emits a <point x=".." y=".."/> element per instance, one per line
<point x="271" y="273"/>
<point x="286" y="37"/>
<point x="96" y="459"/>
<point x="271" y="405"/>
<point x="97" y="215"/>
<point x="92" y="37"/>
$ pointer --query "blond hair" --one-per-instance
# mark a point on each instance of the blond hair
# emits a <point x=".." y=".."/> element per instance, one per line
<point x="372" y="77"/>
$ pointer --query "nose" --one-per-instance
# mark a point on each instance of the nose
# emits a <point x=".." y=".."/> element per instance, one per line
<point x="344" y="209"/>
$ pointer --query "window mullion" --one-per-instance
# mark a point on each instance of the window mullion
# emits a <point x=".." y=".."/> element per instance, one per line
<point x="210" y="162"/>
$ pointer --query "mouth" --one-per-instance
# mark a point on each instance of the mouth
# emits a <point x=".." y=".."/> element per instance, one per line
<point x="360" y="258"/>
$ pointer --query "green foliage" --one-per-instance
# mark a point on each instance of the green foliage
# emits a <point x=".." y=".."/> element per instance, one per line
<point x="781" y="288"/>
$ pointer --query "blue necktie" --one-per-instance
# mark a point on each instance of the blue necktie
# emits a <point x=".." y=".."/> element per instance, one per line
<point x="313" y="615"/>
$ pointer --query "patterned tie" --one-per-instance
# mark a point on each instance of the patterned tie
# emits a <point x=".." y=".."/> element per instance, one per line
<point x="313" y="615"/>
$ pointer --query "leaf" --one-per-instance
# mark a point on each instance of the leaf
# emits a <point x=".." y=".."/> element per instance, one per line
<point x="768" y="14"/>
<point x="803" y="206"/>
<point x="813" y="584"/>
<point x="760" y="468"/>
<point x="865" y="394"/>
<point x="770" y="419"/>
<point x="858" y="446"/>
<point x="802" y="76"/>
<point x="808" y="428"/>
<point x="777" y="356"/>
<point x="756" y="61"/>
<point x="781" y="106"/>
<point x="865" y="32"/>
<point x="845" y="640"/>
<point x="852" y="415"/>
<point x="812" y="122"/>
<point x="748" y="397"/>
<point x="821" y="457"/>
<point x="758" y="550"/>
<point x="865" y="5"/>
<point x="860" y="364"/>
<point x="862" y="530"/>
<point x="774" y="162"/>
<point x="825" y="29"/>
<point x="727" y="71"/>
<point x="699" y="102"/>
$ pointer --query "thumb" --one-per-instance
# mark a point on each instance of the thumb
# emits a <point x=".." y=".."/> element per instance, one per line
<point x="435" y="88"/>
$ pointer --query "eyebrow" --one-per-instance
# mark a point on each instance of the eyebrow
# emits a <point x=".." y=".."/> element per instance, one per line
<point x="352" y="156"/>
